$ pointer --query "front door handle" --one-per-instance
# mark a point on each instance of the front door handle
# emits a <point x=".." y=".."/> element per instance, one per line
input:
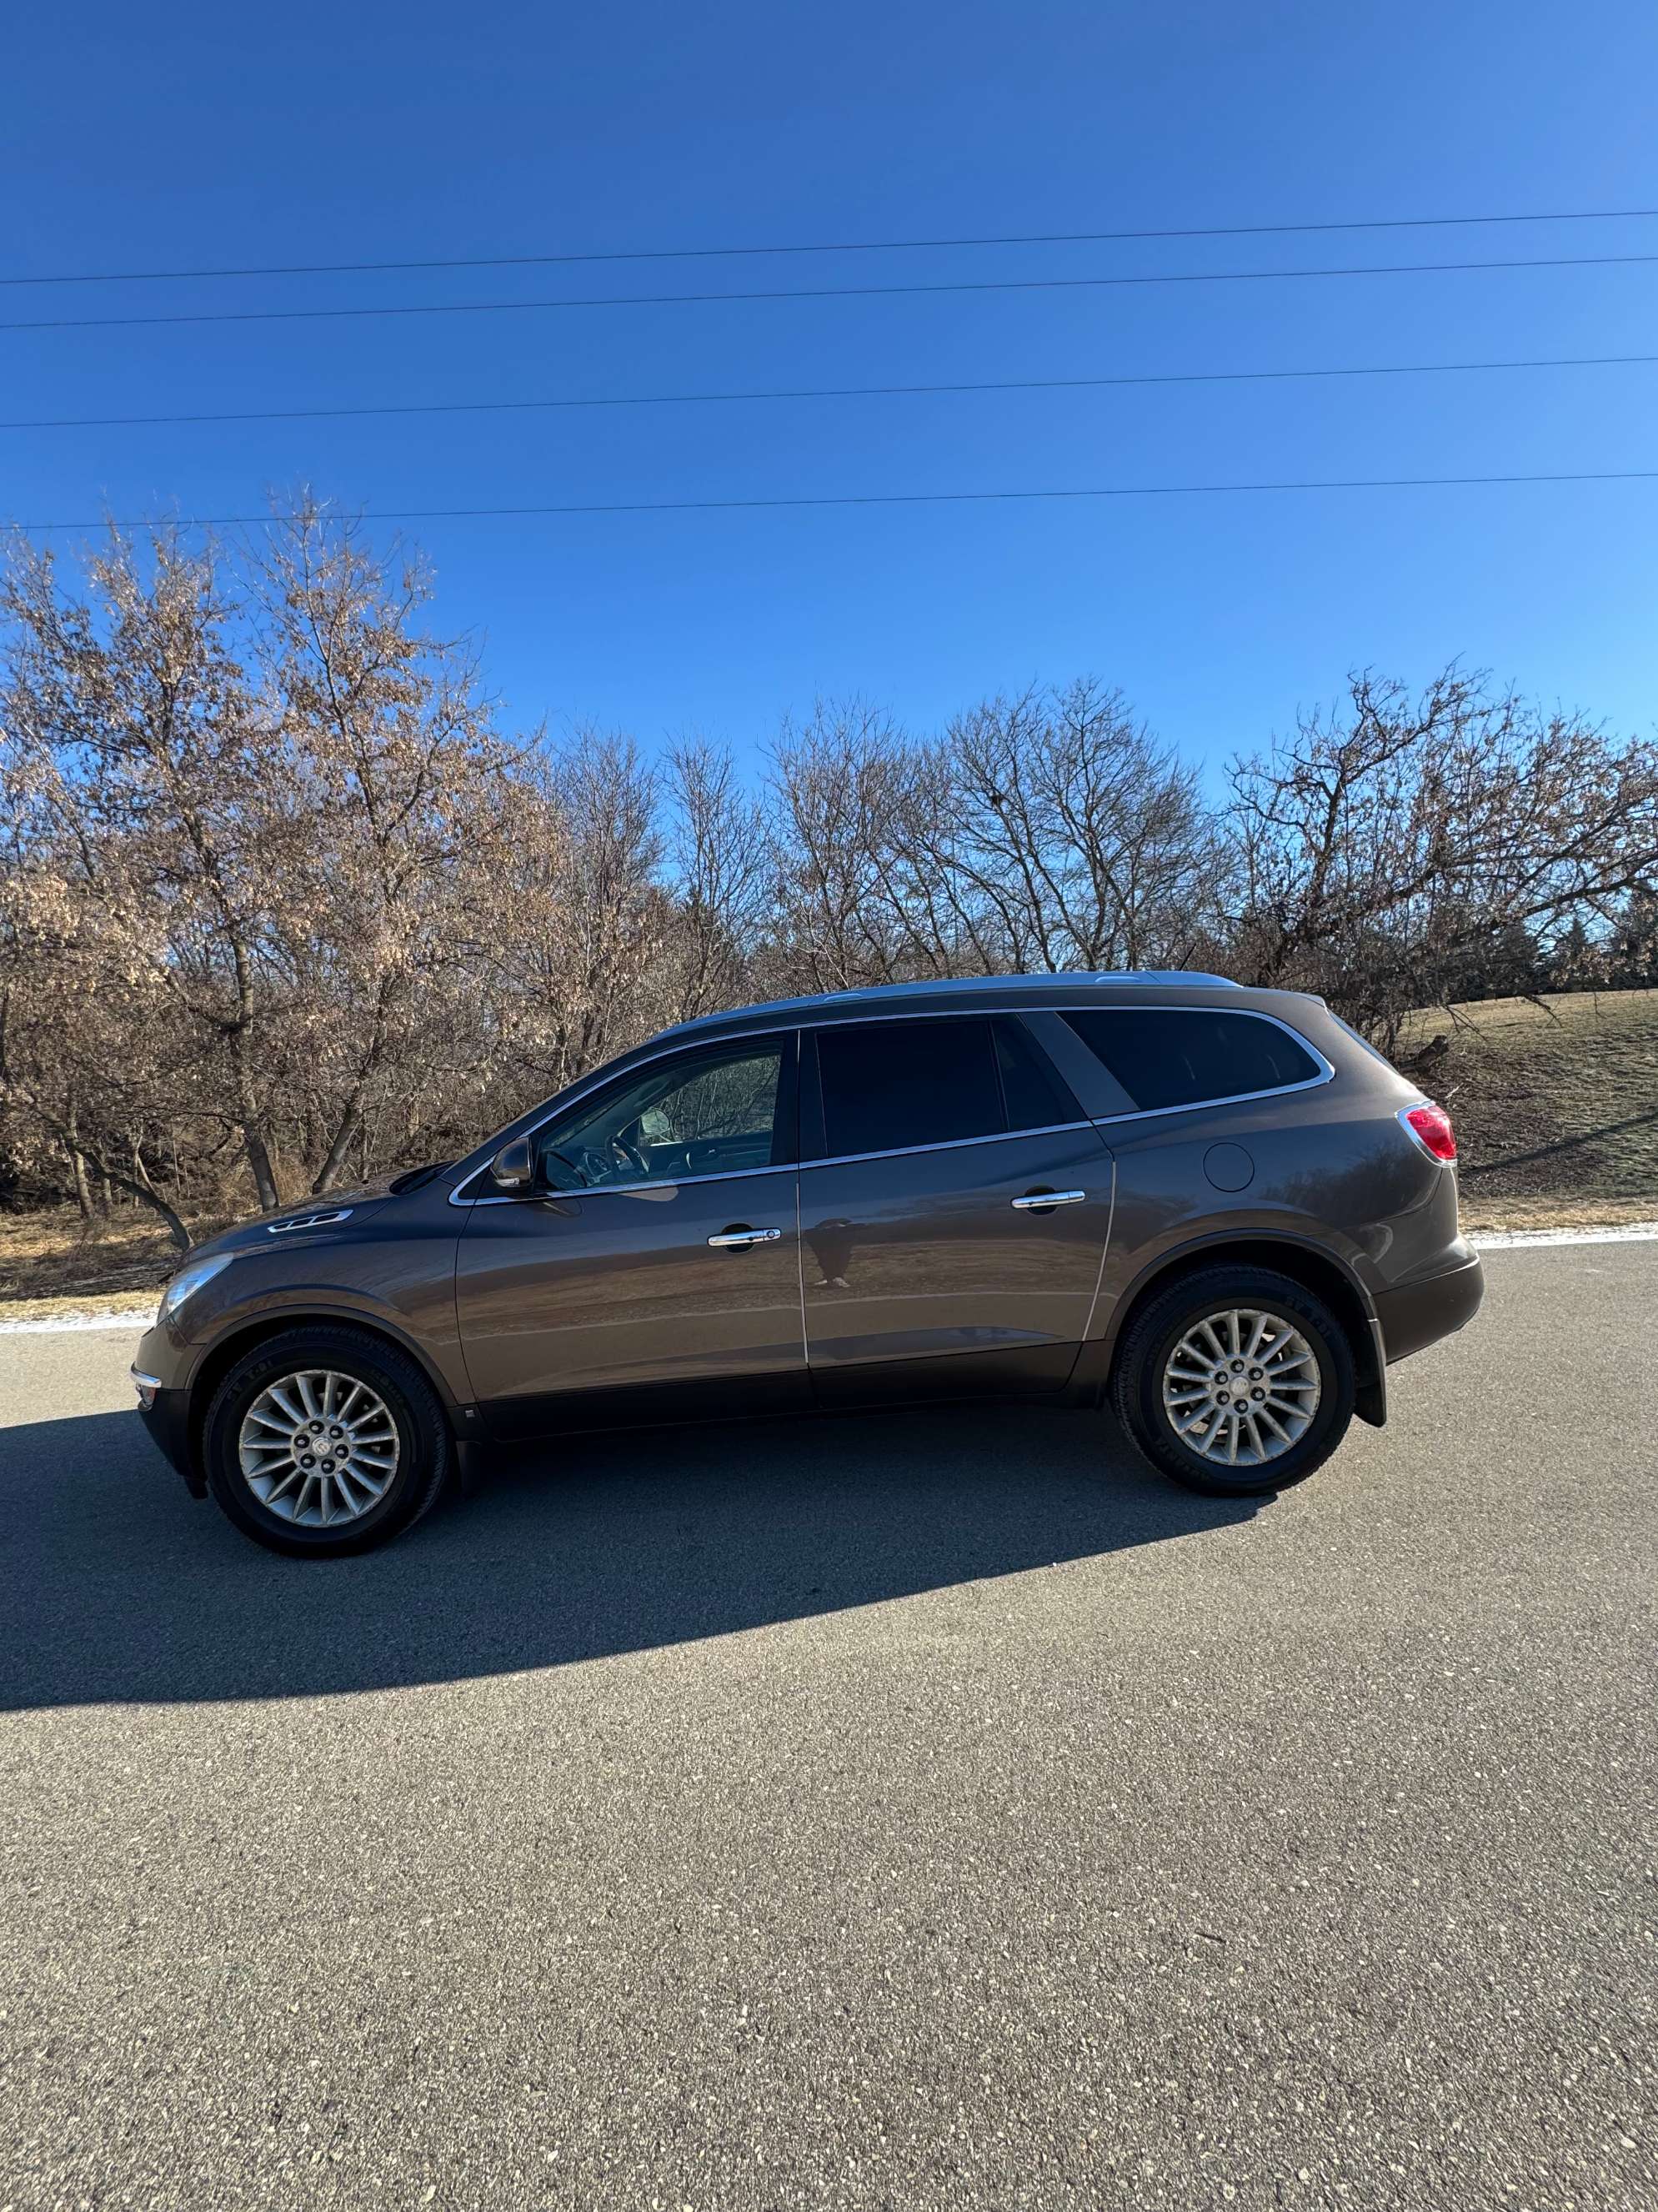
<point x="1039" y="1201"/>
<point x="738" y="1238"/>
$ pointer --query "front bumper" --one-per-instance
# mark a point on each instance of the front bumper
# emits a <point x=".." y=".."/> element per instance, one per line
<point x="1415" y="1315"/>
<point x="165" y="1415"/>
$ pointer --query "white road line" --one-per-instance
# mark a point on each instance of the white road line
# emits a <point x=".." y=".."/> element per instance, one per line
<point x="73" y="1323"/>
<point x="1510" y="1240"/>
<point x="1490" y="1240"/>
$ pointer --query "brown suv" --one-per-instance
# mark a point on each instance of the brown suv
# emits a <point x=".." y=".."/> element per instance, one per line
<point x="1216" y="1208"/>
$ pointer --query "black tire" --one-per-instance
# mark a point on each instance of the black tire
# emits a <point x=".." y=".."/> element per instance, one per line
<point x="425" y="1451"/>
<point x="1152" y="1336"/>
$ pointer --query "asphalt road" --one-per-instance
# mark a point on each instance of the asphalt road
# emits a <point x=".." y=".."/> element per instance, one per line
<point x="931" y="1811"/>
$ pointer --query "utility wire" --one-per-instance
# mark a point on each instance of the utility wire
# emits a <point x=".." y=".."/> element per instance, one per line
<point x="827" y="292"/>
<point x="822" y="392"/>
<point x="865" y="499"/>
<point x="854" y="246"/>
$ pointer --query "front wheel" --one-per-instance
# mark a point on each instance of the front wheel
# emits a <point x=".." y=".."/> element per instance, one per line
<point x="323" y="1441"/>
<point x="1236" y="1381"/>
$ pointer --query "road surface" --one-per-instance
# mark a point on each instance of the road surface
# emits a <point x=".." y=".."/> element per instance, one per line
<point x="928" y="1812"/>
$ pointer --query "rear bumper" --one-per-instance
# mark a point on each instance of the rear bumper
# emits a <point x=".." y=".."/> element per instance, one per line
<point x="167" y="1417"/>
<point x="1416" y="1315"/>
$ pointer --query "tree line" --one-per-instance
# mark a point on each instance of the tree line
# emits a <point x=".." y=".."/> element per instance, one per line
<point x="284" y="903"/>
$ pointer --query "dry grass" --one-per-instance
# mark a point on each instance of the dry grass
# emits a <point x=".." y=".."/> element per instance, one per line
<point x="44" y="1252"/>
<point x="53" y="1264"/>
<point x="1480" y="1214"/>
<point x="140" y="1306"/>
<point x="1555" y="1102"/>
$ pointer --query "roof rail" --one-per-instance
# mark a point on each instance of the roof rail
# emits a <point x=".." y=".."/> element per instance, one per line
<point x="1164" y="978"/>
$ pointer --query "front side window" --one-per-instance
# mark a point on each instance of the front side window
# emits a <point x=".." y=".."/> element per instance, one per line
<point x="1167" y="1056"/>
<point x="709" y="1114"/>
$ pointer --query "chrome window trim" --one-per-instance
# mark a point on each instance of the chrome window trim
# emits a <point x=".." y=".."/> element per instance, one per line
<point x="943" y="1145"/>
<point x="786" y="1167"/>
<point x="623" y="1189"/>
<point x="1232" y="1098"/>
<point x="602" y="1076"/>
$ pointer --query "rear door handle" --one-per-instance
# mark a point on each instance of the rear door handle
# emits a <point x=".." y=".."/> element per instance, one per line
<point x="737" y="1239"/>
<point x="1038" y="1201"/>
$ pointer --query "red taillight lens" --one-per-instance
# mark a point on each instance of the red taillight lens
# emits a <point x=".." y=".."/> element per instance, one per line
<point x="1431" y="1127"/>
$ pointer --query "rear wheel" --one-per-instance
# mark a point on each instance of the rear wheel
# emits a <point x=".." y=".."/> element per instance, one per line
<point x="1236" y="1381"/>
<point x="322" y="1440"/>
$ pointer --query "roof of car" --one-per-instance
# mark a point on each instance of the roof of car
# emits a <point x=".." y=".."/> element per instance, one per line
<point x="875" y="996"/>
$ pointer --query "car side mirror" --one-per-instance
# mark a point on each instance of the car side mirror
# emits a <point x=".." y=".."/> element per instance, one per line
<point x="514" y="1166"/>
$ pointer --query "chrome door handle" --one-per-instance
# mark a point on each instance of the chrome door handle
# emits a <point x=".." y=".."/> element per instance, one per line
<point x="1039" y="1200"/>
<point x="737" y="1240"/>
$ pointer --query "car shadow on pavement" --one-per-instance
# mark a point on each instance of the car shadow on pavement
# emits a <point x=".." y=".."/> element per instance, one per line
<point x="116" y="1585"/>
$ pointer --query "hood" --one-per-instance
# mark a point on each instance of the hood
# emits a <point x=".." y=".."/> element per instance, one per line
<point x="310" y="1221"/>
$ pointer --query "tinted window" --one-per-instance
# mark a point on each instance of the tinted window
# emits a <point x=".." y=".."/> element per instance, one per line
<point x="1169" y="1057"/>
<point x="706" y="1113"/>
<point x="1035" y="1096"/>
<point x="890" y="1084"/>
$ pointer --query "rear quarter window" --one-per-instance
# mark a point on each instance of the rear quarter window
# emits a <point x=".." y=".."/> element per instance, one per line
<point x="1173" y="1056"/>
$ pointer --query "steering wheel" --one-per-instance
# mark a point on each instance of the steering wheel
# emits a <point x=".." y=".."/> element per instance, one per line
<point x="591" y="1166"/>
<point x="631" y="1157"/>
<point x="579" y="1179"/>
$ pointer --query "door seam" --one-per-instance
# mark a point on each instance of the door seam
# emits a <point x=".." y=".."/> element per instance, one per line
<point x="1105" y="1251"/>
<point x="800" y="1273"/>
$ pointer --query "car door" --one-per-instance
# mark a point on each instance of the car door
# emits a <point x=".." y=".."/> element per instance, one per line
<point x="955" y="1204"/>
<point x="652" y="1272"/>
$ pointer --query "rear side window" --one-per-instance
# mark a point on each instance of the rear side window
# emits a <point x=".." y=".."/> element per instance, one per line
<point x="888" y="1086"/>
<point x="1173" y="1056"/>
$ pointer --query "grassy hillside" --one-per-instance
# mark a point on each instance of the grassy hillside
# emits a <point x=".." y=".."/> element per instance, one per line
<point x="1555" y="1102"/>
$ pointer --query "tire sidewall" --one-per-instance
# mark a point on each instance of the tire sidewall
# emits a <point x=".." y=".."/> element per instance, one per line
<point x="420" y="1458"/>
<point x="1167" y="1322"/>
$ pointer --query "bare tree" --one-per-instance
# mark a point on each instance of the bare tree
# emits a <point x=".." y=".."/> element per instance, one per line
<point x="579" y="971"/>
<point x="409" y="793"/>
<point x="1382" y="847"/>
<point x="1043" y="833"/>
<point x="135" y="751"/>
<point x="1077" y="841"/>
<point x="281" y="902"/>
<point x="720" y="871"/>
<point x="837" y="789"/>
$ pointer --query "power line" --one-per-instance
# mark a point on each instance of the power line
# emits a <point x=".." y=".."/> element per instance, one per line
<point x="852" y="246"/>
<point x="822" y="392"/>
<point x="826" y="292"/>
<point x="866" y="499"/>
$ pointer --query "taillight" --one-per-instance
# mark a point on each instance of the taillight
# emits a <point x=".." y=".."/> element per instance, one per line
<point x="1430" y="1126"/>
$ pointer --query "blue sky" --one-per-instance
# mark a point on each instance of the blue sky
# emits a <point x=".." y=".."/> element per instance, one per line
<point x="193" y="136"/>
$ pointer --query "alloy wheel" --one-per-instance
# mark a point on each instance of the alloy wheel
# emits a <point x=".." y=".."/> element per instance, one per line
<point x="318" y="1448"/>
<point x="1241" y="1387"/>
